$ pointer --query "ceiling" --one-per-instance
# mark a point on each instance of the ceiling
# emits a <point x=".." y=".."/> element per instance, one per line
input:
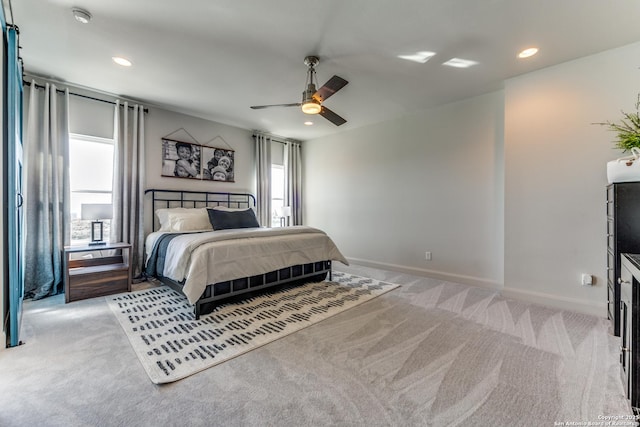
<point x="213" y="59"/>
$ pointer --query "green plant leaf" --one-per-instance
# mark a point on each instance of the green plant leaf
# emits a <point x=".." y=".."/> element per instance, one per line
<point x="627" y="129"/>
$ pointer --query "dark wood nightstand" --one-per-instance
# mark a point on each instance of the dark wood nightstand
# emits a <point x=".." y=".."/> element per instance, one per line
<point x="92" y="277"/>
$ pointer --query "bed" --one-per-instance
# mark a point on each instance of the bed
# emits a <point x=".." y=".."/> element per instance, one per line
<point x="210" y="266"/>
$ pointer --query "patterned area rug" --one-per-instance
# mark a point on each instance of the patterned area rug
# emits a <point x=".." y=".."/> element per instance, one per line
<point x="172" y="345"/>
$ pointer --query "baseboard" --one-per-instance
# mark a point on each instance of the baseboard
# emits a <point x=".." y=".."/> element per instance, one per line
<point x="549" y="300"/>
<point x="457" y="278"/>
<point x="555" y="301"/>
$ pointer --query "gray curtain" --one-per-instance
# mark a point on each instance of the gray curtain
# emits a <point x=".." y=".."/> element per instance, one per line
<point x="263" y="176"/>
<point x="46" y="191"/>
<point x="127" y="224"/>
<point x="293" y="181"/>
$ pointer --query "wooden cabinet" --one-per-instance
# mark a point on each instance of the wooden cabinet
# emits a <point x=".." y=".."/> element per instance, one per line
<point x="96" y="270"/>
<point x="623" y="235"/>
<point x="630" y="326"/>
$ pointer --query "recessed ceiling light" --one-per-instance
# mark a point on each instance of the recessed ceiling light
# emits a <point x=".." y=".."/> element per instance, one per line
<point x="308" y="123"/>
<point x="121" y="61"/>
<point x="81" y="15"/>
<point x="459" y="63"/>
<point x="528" y="52"/>
<point x="420" y="57"/>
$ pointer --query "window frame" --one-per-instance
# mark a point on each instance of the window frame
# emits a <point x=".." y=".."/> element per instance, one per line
<point x="95" y="140"/>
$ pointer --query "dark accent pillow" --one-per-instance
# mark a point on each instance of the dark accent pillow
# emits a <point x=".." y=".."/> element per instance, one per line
<point x="225" y="220"/>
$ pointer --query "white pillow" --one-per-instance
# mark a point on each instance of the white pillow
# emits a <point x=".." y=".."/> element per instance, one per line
<point x="183" y="219"/>
<point x="163" y="216"/>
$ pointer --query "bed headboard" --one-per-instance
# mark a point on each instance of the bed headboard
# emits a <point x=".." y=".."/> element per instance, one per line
<point x="196" y="199"/>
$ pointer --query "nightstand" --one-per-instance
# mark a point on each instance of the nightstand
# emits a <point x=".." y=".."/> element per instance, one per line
<point x="98" y="275"/>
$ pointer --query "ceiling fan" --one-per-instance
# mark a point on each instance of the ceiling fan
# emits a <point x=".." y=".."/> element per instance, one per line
<point x="312" y="99"/>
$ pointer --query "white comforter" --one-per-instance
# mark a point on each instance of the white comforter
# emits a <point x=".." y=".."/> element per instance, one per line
<point x="218" y="256"/>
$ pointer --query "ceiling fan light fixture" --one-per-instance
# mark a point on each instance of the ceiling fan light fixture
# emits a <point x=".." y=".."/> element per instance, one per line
<point x="313" y="99"/>
<point x="311" y="106"/>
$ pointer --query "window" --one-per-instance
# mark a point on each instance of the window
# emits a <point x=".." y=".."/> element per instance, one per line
<point x="90" y="179"/>
<point x="277" y="195"/>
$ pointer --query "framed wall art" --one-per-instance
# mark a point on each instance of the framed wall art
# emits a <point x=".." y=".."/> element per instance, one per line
<point x="217" y="164"/>
<point x="193" y="161"/>
<point x="181" y="159"/>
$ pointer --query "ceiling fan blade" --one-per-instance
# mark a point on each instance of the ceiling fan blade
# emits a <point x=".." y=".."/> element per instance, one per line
<point x="331" y="116"/>
<point x="334" y="84"/>
<point x="259" y="107"/>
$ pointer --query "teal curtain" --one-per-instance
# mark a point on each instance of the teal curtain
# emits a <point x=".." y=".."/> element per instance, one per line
<point x="46" y="188"/>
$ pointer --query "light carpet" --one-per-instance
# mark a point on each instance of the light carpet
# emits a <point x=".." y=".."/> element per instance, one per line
<point x="172" y="345"/>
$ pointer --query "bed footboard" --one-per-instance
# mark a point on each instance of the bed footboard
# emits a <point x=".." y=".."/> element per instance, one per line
<point x="217" y="292"/>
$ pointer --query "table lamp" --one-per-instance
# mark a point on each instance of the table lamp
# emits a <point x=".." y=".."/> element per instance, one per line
<point x="286" y="213"/>
<point x="97" y="213"/>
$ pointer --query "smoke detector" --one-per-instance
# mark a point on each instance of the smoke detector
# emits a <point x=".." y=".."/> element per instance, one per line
<point x="81" y="15"/>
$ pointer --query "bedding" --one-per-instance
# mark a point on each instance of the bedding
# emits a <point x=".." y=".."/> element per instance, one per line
<point x="196" y="259"/>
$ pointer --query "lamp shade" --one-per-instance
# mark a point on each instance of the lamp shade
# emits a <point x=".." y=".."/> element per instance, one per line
<point x="96" y="211"/>
<point x="286" y="211"/>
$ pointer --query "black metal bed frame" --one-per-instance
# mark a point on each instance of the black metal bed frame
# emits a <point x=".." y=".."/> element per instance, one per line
<point x="196" y="199"/>
<point x="214" y="293"/>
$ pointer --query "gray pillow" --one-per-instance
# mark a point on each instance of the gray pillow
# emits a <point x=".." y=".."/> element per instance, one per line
<point x="225" y="220"/>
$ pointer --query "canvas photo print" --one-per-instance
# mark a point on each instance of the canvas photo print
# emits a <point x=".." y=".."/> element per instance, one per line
<point x="217" y="164"/>
<point x="181" y="159"/>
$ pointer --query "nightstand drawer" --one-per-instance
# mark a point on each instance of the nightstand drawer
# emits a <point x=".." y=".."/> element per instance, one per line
<point x="89" y="276"/>
<point x="89" y="282"/>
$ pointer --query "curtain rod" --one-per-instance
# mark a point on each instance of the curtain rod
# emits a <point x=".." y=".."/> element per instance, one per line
<point x="79" y="95"/>
<point x="279" y="141"/>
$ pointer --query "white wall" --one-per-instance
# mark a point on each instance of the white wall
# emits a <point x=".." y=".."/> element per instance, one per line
<point x="160" y="123"/>
<point x="555" y="175"/>
<point x="431" y="181"/>
<point x="434" y="181"/>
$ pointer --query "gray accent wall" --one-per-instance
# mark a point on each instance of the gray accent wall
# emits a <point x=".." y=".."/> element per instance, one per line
<point x="507" y="189"/>
<point x="555" y="220"/>
<point x="431" y="181"/>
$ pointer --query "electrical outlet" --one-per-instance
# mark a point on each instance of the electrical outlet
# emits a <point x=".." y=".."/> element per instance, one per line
<point x="427" y="256"/>
<point x="586" y="279"/>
